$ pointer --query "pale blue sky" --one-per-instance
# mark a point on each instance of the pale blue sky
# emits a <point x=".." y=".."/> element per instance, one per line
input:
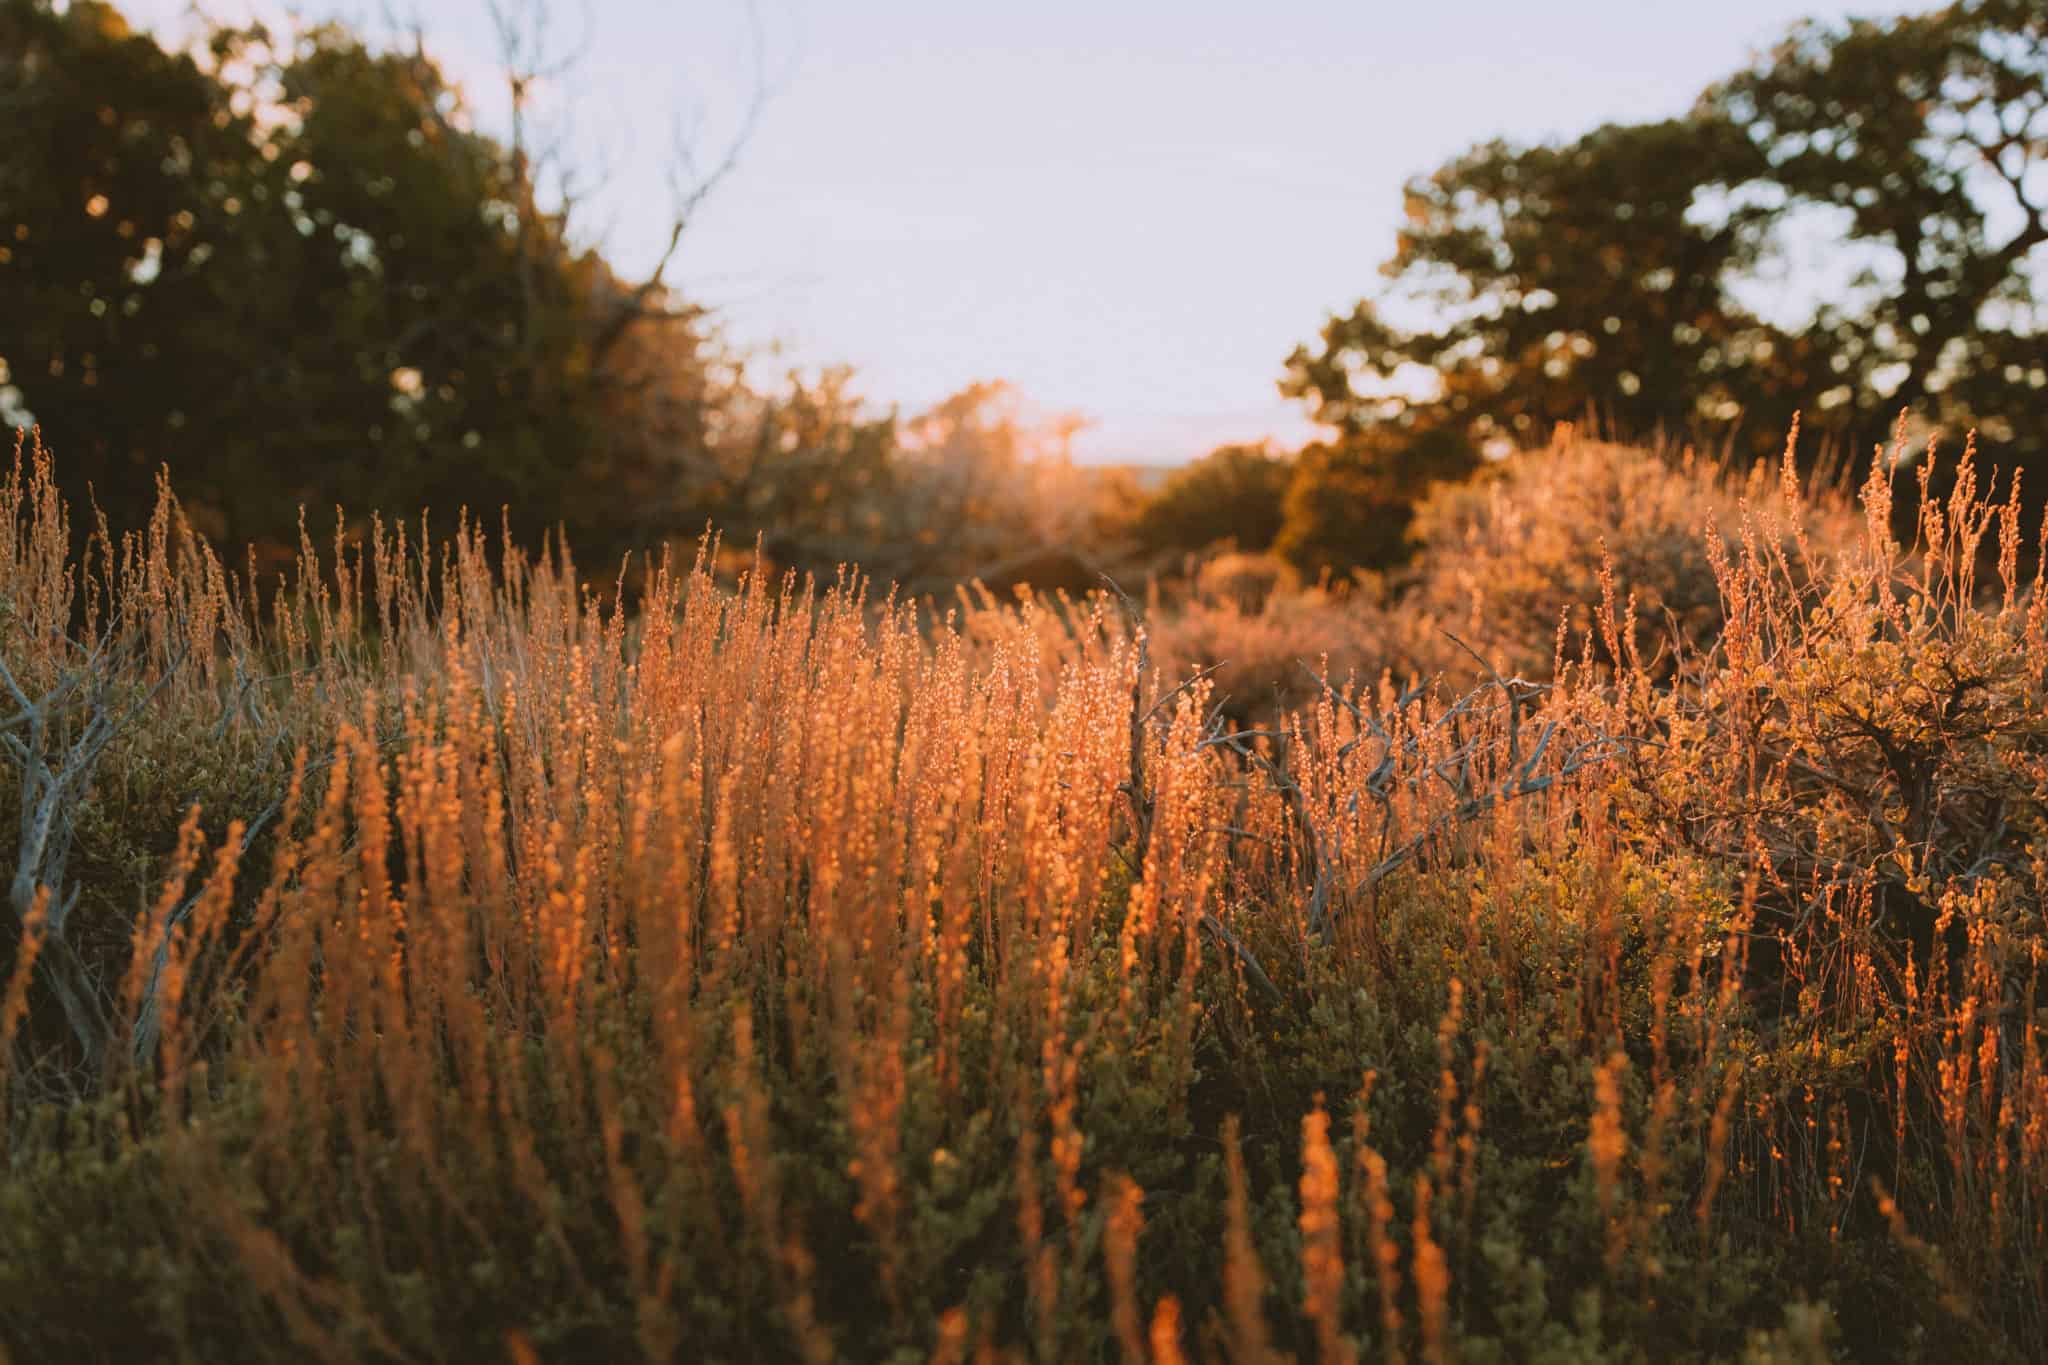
<point x="1132" y="209"/>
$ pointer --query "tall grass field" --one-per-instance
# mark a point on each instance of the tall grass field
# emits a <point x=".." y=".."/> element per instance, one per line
<point x="1627" y="946"/>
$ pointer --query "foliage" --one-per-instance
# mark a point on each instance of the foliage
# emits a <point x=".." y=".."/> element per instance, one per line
<point x="754" y="971"/>
<point x="1922" y="137"/>
<point x="988" y="491"/>
<point x="1513" y="562"/>
<point x="1350" y="503"/>
<point x="1248" y="581"/>
<point x="1264" y="643"/>
<point x="1655" y="276"/>
<point x="1234" y="493"/>
<point x="423" y="334"/>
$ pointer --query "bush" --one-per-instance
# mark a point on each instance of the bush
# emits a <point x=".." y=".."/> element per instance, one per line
<point x="755" y="971"/>
<point x="1342" y="515"/>
<point x="1233" y="494"/>
<point x="1518" y="559"/>
<point x="1246" y="581"/>
<point x="1350" y="505"/>
<point x="1264" y="659"/>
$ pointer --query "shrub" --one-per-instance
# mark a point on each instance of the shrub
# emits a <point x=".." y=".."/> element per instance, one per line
<point x="1246" y="581"/>
<point x="1350" y="504"/>
<point x="757" y="971"/>
<point x="1233" y="494"/>
<point x="1510" y="560"/>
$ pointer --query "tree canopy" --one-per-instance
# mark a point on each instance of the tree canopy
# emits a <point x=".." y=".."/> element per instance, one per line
<point x="290" y="268"/>
<point x="1662" y="276"/>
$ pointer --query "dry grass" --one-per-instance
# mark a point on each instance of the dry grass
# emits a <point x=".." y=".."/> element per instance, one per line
<point x="1511" y="559"/>
<point x="457" y="964"/>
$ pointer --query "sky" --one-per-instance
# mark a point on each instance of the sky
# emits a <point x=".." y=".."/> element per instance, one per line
<point x="1130" y="209"/>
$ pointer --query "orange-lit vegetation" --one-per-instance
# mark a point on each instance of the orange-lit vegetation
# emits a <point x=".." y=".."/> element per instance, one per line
<point x="431" y="958"/>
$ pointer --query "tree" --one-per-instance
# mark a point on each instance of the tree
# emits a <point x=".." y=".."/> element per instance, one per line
<point x="1924" y="142"/>
<point x="1351" y="501"/>
<point x="1558" y="279"/>
<point x="1640" y="273"/>
<point x="985" y="490"/>
<point x="121" y="185"/>
<point x="291" y="268"/>
<point x="1234" y="493"/>
<point x="805" y="469"/>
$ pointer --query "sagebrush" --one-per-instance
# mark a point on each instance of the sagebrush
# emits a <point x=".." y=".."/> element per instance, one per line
<point x="433" y="957"/>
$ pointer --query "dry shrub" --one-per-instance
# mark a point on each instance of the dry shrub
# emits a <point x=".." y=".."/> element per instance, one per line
<point x="760" y="971"/>
<point x="1266" y="659"/>
<point x="1870" y="738"/>
<point x="1512" y="557"/>
<point x="1247" y="581"/>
